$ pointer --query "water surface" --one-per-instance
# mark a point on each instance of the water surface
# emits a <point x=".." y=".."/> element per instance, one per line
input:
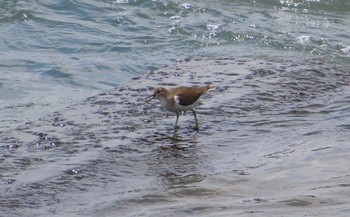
<point x="78" y="139"/>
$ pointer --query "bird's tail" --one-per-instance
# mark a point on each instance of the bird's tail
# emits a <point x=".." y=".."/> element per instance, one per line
<point x="209" y="87"/>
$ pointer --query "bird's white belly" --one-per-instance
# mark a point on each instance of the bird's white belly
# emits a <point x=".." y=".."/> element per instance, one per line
<point x="175" y="106"/>
<point x="179" y="107"/>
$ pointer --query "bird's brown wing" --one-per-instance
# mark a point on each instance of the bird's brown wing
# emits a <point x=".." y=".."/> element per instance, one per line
<point x="186" y="99"/>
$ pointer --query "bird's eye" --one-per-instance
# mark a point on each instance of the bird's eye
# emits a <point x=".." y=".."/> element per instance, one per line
<point x="158" y="91"/>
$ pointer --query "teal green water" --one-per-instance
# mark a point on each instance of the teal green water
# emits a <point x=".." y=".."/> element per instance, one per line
<point x="77" y="139"/>
<point x="54" y="53"/>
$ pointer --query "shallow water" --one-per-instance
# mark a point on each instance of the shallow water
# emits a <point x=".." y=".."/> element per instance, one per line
<point x="273" y="133"/>
<point x="56" y="53"/>
<point x="271" y="142"/>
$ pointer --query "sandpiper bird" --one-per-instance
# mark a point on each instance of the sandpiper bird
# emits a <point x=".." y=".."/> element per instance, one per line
<point x="180" y="99"/>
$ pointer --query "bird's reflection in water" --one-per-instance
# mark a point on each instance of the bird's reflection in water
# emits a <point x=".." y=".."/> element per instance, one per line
<point x="175" y="159"/>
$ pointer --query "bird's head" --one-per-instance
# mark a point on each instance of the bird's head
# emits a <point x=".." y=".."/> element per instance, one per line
<point x="158" y="93"/>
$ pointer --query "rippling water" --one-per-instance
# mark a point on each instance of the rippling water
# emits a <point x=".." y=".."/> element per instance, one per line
<point x="77" y="138"/>
<point x="55" y="53"/>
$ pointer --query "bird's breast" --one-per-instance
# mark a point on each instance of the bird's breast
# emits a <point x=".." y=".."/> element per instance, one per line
<point x="165" y="103"/>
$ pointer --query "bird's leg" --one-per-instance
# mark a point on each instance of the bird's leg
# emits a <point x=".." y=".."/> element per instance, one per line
<point x="177" y="119"/>
<point x="195" y="118"/>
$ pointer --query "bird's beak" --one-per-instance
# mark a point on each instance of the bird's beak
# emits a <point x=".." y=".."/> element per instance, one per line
<point x="149" y="98"/>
